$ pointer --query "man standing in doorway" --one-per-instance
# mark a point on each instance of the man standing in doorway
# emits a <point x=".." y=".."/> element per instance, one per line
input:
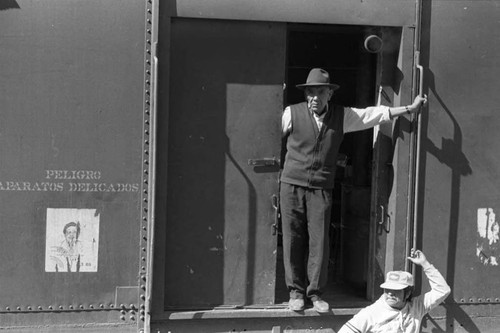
<point x="314" y="130"/>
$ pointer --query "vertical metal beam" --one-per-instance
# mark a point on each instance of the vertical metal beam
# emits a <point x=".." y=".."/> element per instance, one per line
<point x="152" y="19"/>
<point x="413" y="175"/>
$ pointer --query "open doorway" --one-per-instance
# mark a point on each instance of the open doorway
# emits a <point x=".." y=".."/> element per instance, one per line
<point x="340" y="50"/>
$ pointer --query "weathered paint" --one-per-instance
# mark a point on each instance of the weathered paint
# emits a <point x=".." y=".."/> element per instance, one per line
<point x="487" y="249"/>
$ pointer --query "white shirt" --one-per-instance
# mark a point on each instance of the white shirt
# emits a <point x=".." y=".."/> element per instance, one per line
<point x="355" y="119"/>
<point x="381" y="318"/>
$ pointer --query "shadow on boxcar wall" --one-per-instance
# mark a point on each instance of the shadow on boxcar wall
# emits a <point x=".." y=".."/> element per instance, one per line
<point x="9" y="4"/>
<point x="450" y="154"/>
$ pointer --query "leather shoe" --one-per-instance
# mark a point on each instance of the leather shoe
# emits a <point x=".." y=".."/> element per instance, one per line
<point x="296" y="304"/>
<point x="321" y="306"/>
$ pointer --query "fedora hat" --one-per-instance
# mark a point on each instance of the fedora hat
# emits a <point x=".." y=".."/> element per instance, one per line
<point x="318" y="77"/>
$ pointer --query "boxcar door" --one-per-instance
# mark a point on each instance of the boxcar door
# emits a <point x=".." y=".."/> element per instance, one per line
<point x="218" y="168"/>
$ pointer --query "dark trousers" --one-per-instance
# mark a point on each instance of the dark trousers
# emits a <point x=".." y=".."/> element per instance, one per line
<point x="305" y="216"/>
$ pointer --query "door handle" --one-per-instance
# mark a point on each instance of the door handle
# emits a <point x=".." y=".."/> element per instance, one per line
<point x="420" y="69"/>
<point x="275" y="202"/>
<point x="384" y="223"/>
<point x="266" y="161"/>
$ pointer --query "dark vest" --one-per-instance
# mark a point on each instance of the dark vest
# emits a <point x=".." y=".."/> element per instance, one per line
<point x="312" y="154"/>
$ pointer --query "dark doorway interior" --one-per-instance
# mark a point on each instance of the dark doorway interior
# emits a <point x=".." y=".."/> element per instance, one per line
<point x="340" y="51"/>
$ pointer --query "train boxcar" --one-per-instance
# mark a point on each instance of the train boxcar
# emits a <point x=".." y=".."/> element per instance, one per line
<point x="141" y="152"/>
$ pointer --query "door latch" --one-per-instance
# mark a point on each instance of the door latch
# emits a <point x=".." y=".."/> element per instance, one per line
<point x="266" y="161"/>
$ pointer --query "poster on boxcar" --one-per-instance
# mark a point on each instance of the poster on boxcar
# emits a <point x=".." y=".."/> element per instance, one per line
<point x="72" y="240"/>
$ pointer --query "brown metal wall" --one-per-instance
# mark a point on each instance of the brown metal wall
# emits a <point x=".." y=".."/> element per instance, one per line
<point x="460" y="160"/>
<point x="71" y="130"/>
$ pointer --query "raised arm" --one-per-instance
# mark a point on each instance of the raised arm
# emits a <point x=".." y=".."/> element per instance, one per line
<point x="439" y="288"/>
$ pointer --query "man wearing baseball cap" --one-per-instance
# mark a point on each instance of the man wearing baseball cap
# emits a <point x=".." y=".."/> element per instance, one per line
<point x="397" y="310"/>
<point x="313" y="131"/>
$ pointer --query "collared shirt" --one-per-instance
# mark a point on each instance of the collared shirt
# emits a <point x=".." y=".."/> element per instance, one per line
<point x="355" y="119"/>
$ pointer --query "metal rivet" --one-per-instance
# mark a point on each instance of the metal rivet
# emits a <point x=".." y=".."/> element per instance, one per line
<point x="29" y="308"/>
<point x="60" y="307"/>
<point x="142" y="318"/>
<point x="101" y="306"/>
<point x="122" y="306"/>
<point x="50" y="307"/>
<point x="143" y="306"/>
<point x="462" y="300"/>
<point x="91" y="306"/>
<point x="488" y="300"/>
<point x="19" y="308"/>
<point x="143" y="249"/>
<point x="122" y="317"/>
<point x="7" y="308"/>
<point x="111" y="305"/>
<point x="144" y="278"/>
<point x="480" y="300"/>
<point x="71" y="306"/>
<point x="143" y="259"/>
<point x="143" y="287"/>
<point x="123" y="312"/>
<point x="471" y="300"/>
<point x="142" y="296"/>
<point x="39" y="307"/>
<point x="142" y="312"/>
<point x="132" y="318"/>
<point x="81" y="306"/>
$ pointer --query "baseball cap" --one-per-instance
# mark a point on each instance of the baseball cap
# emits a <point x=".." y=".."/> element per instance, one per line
<point x="397" y="280"/>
